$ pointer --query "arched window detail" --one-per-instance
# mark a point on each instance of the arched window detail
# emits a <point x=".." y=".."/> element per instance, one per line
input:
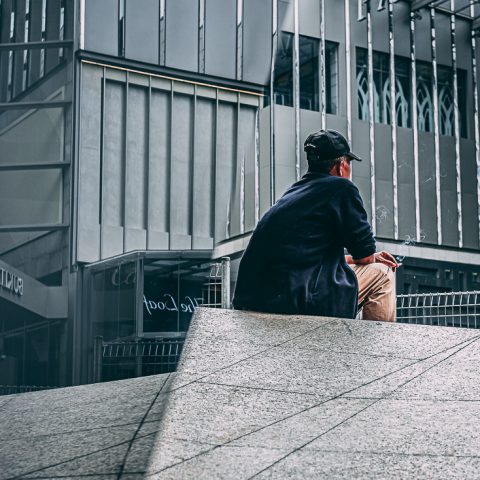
<point x="402" y="106"/>
<point x="424" y="106"/>
<point x="445" y="107"/>
<point x="362" y="91"/>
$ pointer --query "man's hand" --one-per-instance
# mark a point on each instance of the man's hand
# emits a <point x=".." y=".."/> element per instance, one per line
<point x="380" y="257"/>
<point x="387" y="259"/>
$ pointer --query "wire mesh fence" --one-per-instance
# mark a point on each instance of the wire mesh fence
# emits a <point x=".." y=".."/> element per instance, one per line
<point x="143" y="357"/>
<point x="452" y="309"/>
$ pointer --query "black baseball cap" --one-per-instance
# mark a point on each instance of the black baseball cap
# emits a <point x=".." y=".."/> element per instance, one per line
<point x="328" y="145"/>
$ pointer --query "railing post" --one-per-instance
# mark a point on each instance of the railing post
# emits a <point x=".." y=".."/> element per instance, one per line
<point x="97" y="359"/>
<point x="225" y="282"/>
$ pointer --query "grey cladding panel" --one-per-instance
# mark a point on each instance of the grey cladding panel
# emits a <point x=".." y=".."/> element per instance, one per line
<point x="181" y="177"/>
<point x="469" y="194"/>
<point x="136" y="164"/>
<point x="444" y="45"/>
<point x="113" y="155"/>
<point x="428" y="202"/>
<point x="247" y="149"/>
<point x="227" y="127"/>
<point x="88" y="232"/>
<point x="448" y="189"/>
<point x="101" y="26"/>
<point x="309" y="17"/>
<point x="220" y="38"/>
<point x="182" y="34"/>
<point x="257" y="33"/>
<point x="203" y="178"/>
<point x="159" y="168"/>
<point x="406" y="187"/>
<point x="335" y="21"/>
<point x="142" y="30"/>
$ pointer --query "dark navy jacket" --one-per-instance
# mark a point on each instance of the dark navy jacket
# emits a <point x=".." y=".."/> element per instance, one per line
<point x="295" y="260"/>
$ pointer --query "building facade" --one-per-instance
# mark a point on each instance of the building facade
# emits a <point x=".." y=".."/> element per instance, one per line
<point x="140" y="140"/>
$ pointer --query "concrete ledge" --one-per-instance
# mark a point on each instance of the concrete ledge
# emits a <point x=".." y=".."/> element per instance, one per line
<point x="265" y="396"/>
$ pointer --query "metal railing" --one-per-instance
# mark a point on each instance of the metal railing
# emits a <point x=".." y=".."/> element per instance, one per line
<point x="216" y="289"/>
<point x="127" y="359"/>
<point x="13" y="389"/>
<point x="452" y="309"/>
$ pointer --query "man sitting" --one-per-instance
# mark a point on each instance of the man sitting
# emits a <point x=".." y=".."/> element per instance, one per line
<point x="295" y="262"/>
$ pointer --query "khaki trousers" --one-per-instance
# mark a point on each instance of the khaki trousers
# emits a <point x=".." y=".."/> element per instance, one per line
<point x="376" y="291"/>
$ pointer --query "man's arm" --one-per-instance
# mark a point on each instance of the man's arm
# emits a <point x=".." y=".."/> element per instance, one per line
<point x="380" y="257"/>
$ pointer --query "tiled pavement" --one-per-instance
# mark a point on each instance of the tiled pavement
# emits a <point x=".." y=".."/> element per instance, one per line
<point x="263" y="396"/>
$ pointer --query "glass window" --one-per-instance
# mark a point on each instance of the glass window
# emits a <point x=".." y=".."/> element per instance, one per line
<point x="283" y="81"/>
<point x="445" y="101"/>
<point x="381" y="88"/>
<point x="331" y="77"/>
<point x="424" y="97"/>
<point x="309" y="73"/>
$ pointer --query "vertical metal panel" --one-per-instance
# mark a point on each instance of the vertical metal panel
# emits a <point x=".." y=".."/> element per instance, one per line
<point x="296" y="87"/>
<point x="220" y="38"/>
<point x="52" y="33"/>
<point x="371" y="116"/>
<point x="162" y="31"/>
<point x="257" y="31"/>
<point x="323" y="89"/>
<point x="19" y="36"/>
<point x="203" y="184"/>
<point x="407" y="200"/>
<point x="448" y="191"/>
<point x="285" y="169"/>
<point x="201" y="36"/>
<point x="88" y="232"/>
<point x="272" y="100"/>
<point x="265" y="160"/>
<point x="6" y="8"/>
<point x="101" y="26"/>
<point x="113" y="193"/>
<point x="348" y="71"/>
<point x="234" y="208"/>
<point x="181" y="180"/>
<point x="469" y="194"/>
<point x="159" y="174"/>
<point x="248" y="151"/>
<point x="413" y="78"/>
<point x="257" y="167"/>
<point x="457" y="125"/>
<point x="35" y="33"/>
<point x="393" y="117"/>
<point x="136" y="169"/>
<point x="436" y="132"/>
<point x="239" y="40"/>
<point x="225" y="161"/>
<point x="476" y="110"/>
<point x="141" y="30"/>
<point x="182" y="34"/>
<point x="428" y="195"/>
<point x="384" y="217"/>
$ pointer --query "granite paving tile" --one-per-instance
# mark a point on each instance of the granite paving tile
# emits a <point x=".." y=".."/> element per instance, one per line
<point x="216" y="413"/>
<point x="222" y="463"/>
<point x="56" y="411"/>
<point x="382" y="338"/>
<point x="62" y="453"/>
<point x="408" y="427"/>
<point x="296" y="430"/>
<point x="330" y="465"/>
<point x="307" y="371"/>
<point x="395" y="382"/>
<point x="462" y="371"/>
